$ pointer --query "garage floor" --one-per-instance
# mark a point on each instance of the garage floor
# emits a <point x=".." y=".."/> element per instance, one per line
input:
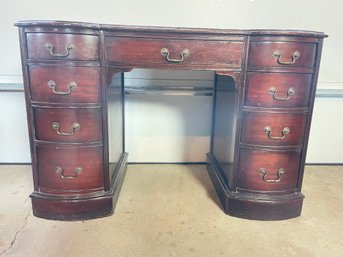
<point x="172" y="210"/>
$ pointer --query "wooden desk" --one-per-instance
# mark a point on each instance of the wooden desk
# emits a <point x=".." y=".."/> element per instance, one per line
<point x="262" y="108"/>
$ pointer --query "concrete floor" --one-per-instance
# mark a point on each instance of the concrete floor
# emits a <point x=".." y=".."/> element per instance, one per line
<point x="172" y="210"/>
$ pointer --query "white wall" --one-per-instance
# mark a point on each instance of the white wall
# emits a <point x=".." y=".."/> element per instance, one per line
<point x="168" y="128"/>
<point x="292" y="14"/>
<point x="14" y="144"/>
<point x="326" y="137"/>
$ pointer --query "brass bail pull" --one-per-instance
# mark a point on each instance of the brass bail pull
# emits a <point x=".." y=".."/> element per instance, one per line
<point x="56" y="126"/>
<point x="284" y="132"/>
<point x="273" y="91"/>
<point x="295" y="57"/>
<point x="264" y="174"/>
<point x="77" y="171"/>
<point x="71" y="86"/>
<point x="184" y="53"/>
<point x="51" y="50"/>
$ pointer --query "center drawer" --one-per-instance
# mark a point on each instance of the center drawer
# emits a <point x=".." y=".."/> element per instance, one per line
<point x="74" y="125"/>
<point x="174" y="52"/>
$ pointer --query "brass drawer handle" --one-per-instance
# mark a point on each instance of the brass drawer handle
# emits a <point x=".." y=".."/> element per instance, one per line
<point x="71" y="86"/>
<point x="184" y="53"/>
<point x="295" y="56"/>
<point x="50" y="47"/>
<point x="290" y="92"/>
<point x="264" y="174"/>
<point x="56" y="126"/>
<point x="284" y="132"/>
<point x="77" y="171"/>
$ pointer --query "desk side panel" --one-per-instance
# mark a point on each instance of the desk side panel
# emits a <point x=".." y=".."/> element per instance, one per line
<point x="224" y="126"/>
<point x="115" y="112"/>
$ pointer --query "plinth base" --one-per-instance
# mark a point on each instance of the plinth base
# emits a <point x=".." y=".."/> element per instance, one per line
<point x="254" y="206"/>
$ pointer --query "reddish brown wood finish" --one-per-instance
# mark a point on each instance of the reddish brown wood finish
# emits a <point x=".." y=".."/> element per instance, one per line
<point x="72" y="176"/>
<point x="251" y="161"/>
<point x="89" y="159"/>
<point x="89" y="120"/>
<point x="87" y="80"/>
<point x="254" y="124"/>
<point x="61" y="209"/>
<point x="85" y="47"/>
<point x="259" y="93"/>
<point x="201" y="52"/>
<point x="262" y="209"/>
<point x="261" y="54"/>
<point x="256" y="205"/>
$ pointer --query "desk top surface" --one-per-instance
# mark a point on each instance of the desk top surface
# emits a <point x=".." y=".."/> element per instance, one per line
<point x="132" y="28"/>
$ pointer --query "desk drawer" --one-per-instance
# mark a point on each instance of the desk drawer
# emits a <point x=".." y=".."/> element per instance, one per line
<point x="63" y="84"/>
<point x="278" y="89"/>
<point x="174" y="52"/>
<point x="282" y="54"/>
<point x="62" y="46"/>
<point x="68" y="124"/>
<point x="268" y="170"/>
<point x="69" y="168"/>
<point x="273" y="129"/>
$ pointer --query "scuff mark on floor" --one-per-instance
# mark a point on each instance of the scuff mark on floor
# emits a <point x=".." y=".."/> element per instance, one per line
<point x="17" y="233"/>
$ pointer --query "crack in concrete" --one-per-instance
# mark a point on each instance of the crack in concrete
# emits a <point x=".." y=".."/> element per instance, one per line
<point x="17" y="233"/>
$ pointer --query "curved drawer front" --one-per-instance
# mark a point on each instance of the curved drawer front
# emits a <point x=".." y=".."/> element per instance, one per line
<point x="282" y="54"/>
<point x="68" y="124"/>
<point x="62" y="46"/>
<point x="174" y="52"/>
<point x="268" y="170"/>
<point x="278" y="89"/>
<point x="273" y="129"/>
<point x="69" y="168"/>
<point x="63" y="84"/>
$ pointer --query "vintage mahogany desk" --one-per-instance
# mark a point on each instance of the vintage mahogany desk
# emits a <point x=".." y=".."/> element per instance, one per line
<point x="260" y="126"/>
